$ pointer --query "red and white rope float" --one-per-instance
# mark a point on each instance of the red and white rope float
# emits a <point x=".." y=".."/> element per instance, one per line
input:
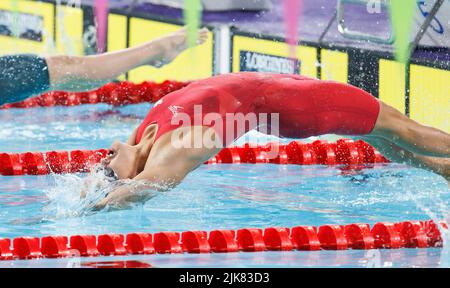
<point x="117" y="94"/>
<point x="320" y="152"/>
<point x="409" y="234"/>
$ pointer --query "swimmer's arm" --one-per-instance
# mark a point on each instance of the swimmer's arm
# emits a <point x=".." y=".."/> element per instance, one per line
<point x="161" y="174"/>
<point x="82" y="73"/>
<point x="123" y="197"/>
<point x="156" y="180"/>
<point x="173" y="164"/>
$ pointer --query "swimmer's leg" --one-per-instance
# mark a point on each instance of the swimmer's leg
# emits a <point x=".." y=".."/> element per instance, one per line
<point x="410" y="135"/>
<point x="83" y="73"/>
<point x="397" y="154"/>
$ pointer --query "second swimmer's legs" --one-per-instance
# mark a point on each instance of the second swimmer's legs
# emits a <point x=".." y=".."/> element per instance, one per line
<point x="410" y="135"/>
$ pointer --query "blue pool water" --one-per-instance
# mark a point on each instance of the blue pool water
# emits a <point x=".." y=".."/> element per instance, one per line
<point x="212" y="197"/>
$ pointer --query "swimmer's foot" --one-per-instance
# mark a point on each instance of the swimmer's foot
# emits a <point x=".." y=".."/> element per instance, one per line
<point x="177" y="43"/>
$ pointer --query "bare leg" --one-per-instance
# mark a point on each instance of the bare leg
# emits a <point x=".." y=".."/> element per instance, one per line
<point x="410" y="135"/>
<point x="78" y="73"/>
<point x="397" y="154"/>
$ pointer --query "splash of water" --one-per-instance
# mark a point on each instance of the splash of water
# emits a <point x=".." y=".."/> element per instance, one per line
<point x="65" y="198"/>
<point x="438" y="210"/>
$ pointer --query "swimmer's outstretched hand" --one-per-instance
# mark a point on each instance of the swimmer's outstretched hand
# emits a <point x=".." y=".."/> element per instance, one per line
<point x="116" y="200"/>
<point x="125" y="196"/>
<point x="177" y="43"/>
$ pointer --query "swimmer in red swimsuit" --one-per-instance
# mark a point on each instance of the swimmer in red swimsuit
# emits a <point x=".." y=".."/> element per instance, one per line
<point x="176" y="136"/>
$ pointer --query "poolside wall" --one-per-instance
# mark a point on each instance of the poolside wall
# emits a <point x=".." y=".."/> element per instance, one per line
<point x="421" y="89"/>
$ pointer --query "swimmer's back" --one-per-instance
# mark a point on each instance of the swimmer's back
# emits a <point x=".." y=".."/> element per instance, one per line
<point x="222" y="94"/>
<point x="243" y="83"/>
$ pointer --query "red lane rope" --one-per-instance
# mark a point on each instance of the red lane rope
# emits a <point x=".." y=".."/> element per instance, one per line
<point x="343" y="151"/>
<point x="408" y="234"/>
<point x="117" y="94"/>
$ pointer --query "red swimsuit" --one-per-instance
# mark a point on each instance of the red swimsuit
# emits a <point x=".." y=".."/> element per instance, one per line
<point x="306" y="107"/>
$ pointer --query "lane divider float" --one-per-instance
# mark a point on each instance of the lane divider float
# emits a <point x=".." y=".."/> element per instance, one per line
<point x="408" y="234"/>
<point x="116" y="94"/>
<point x="341" y="152"/>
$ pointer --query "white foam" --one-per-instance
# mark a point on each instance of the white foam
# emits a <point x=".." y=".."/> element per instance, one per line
<point x="65" y="196"/>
